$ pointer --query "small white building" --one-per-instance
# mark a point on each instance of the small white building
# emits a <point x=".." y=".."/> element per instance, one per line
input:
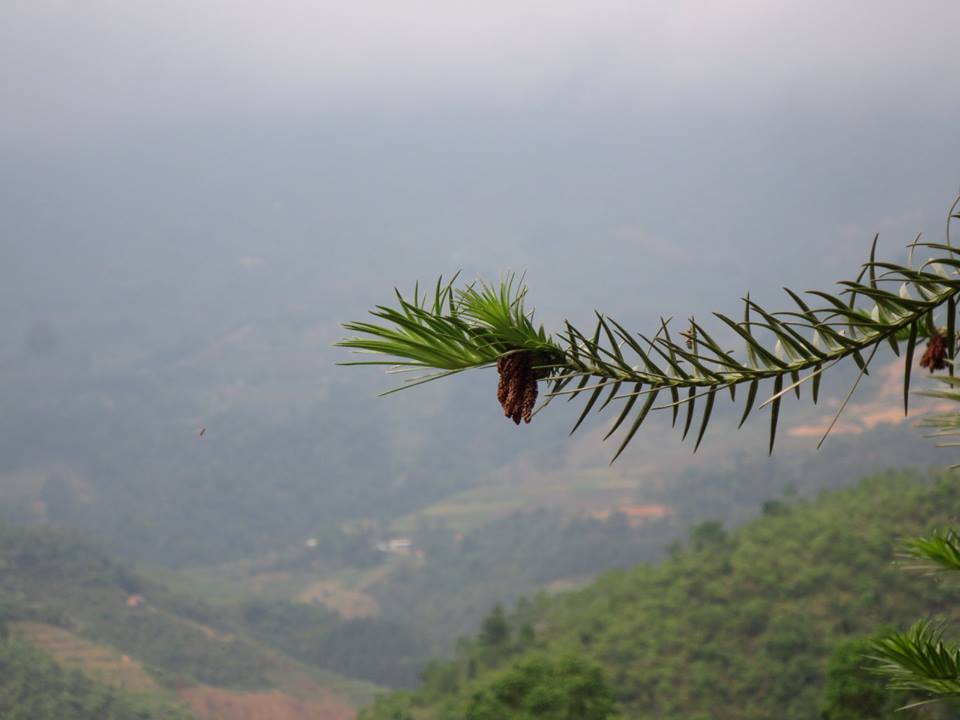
<point x="396" y="546"/>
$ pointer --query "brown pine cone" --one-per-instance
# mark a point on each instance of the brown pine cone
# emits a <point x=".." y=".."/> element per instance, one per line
<point x="517" y="390"/>
<point x="936" y="354"/>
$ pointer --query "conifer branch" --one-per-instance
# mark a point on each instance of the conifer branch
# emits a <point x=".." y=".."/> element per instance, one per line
<point x="460" y="328"/>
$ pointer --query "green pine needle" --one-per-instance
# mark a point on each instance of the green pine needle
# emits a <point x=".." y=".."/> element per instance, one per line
<point x="461" y="328"/>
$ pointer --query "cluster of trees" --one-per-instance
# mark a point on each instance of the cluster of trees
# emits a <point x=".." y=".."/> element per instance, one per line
<point x="179" y="653"/>
<point x="370" y="648"/>
<point x="544" y="688"/>
<point x="536" y="688"/>
<point x="742" y="625"/>
<point x="425" y="607"/>
<point x="503" y="560"/>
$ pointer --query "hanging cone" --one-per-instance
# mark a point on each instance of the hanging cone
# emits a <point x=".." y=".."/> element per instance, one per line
<point x="517" y="391"/>
<point x="936" y="354"/>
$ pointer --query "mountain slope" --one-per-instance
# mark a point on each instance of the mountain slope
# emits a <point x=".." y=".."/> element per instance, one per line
<point x="733" y="626"/>
<point x="96" y="614"/>
<point x="33" y="686"/>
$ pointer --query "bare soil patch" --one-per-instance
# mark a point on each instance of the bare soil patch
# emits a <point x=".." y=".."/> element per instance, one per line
<point x="349" y="603"/>
<point x="209" y="703"/>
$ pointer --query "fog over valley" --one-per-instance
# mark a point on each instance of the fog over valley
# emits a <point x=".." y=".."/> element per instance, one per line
<point x="195" y="197"/>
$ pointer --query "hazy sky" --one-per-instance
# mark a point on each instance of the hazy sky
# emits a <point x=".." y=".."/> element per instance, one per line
<point x="405" y="139"/>
<point x="220" y="182"/>
<point x="83" y="65"/>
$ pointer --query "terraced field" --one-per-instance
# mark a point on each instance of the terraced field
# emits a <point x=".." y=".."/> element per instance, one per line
<point x="99" y="661"/>
<point x="528" y="487"/>
<point x="302" y="693"/>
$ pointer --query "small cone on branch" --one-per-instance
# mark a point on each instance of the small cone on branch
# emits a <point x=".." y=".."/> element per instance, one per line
<point x="935" y="356"/>
<point x="517" y="391"/>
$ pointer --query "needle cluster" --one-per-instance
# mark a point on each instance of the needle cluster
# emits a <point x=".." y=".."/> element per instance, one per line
<point x="486" y="325"/>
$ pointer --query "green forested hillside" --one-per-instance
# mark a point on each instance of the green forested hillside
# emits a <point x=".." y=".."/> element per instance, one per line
<point x="58" y="578"/>
<point x="733" y="626"/>
<point x="498" y="562"/>
<point x="62" y="594"/>
<point x="417" y="604"/>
